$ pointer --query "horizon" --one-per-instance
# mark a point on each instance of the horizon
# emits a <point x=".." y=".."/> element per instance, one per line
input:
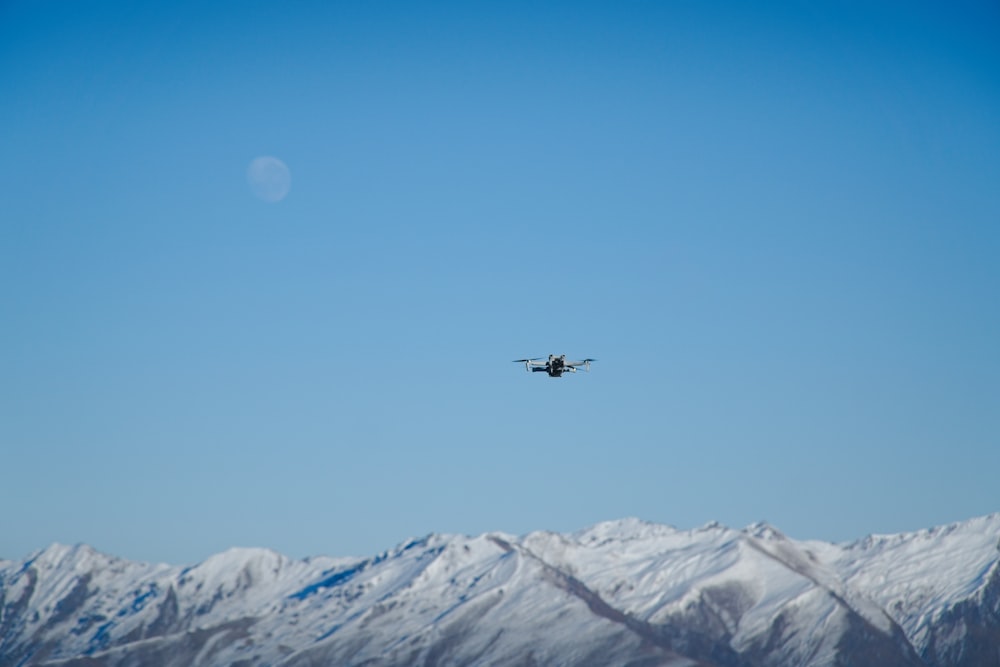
<point x="520" y="536"/>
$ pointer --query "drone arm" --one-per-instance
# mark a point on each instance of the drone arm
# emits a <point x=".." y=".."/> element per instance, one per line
<point x="530" y="364"/>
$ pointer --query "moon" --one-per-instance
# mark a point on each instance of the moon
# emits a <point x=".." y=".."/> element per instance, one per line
<point x="269" y="178"/>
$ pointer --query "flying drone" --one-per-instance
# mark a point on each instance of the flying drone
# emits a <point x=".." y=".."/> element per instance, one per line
<point x="554" y="366"/>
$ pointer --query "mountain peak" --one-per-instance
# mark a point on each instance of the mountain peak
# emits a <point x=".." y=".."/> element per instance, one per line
<point x="61" y="556"/>
<point x="623" y="530"/>
<point x="763" y="530"/>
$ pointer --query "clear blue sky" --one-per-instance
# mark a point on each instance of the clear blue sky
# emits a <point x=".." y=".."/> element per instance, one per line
<point x="776" y="225"/>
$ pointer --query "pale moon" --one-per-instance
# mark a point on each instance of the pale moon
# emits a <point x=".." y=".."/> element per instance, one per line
<point x="269" y="178"/>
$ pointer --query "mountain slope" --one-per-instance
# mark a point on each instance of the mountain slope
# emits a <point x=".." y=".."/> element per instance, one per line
<point x="623" y="592"/>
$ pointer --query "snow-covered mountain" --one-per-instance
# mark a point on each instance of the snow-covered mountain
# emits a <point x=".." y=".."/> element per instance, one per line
<point x="619" y="593"/>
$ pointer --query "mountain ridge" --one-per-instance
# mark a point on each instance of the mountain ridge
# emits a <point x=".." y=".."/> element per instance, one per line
<point x="618" y="592"/>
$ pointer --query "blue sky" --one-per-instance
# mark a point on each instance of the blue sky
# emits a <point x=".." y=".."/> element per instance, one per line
<point x="776" y="225"/>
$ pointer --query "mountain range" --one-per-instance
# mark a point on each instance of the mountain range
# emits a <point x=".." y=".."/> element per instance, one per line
<point x="624" y="592"/>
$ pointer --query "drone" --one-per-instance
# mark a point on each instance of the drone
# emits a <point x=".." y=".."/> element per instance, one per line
<point x="554" y="366"/>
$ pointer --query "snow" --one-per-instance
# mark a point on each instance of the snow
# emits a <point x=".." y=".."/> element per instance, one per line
<point x="536" y="587"/>
<point x="925" y="572"/>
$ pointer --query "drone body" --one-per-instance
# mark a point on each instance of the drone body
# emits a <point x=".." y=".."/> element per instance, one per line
<point x="554" y="366"/>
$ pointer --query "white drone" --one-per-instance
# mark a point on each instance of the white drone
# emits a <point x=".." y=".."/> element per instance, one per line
<point x="554" y="366"/>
